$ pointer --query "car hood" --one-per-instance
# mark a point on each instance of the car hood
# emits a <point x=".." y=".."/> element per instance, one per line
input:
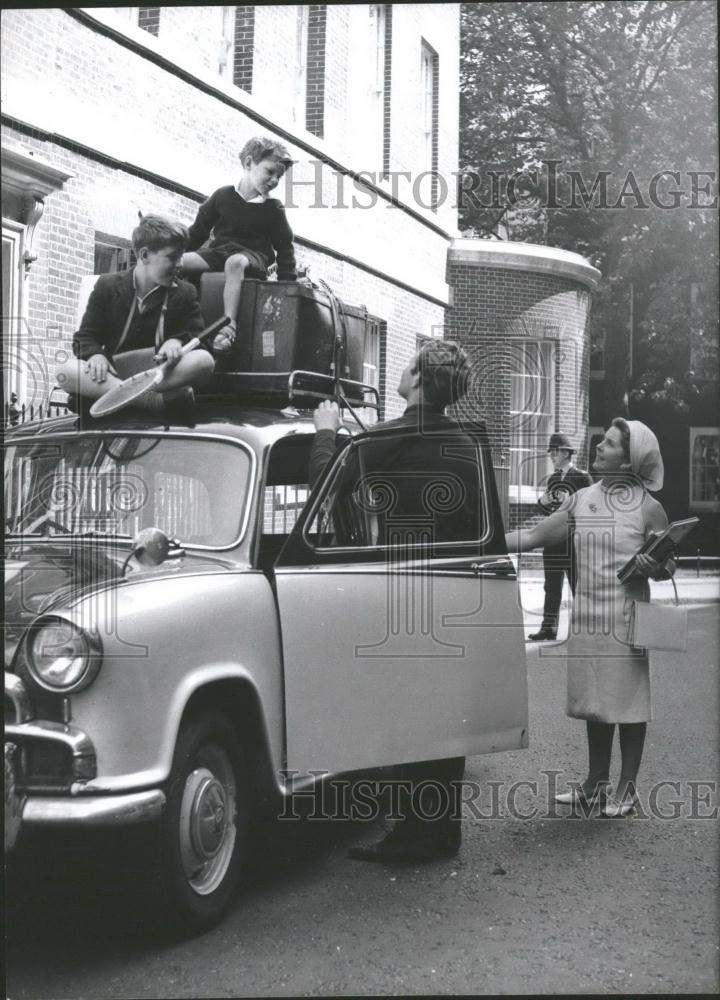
<point x="41" y="577"/>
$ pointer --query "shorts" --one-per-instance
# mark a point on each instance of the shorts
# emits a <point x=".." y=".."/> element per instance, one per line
<point x="216" y="256"/>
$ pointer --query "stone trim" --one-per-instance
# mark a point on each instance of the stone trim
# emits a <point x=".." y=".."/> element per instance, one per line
<point x="524" y="257"/>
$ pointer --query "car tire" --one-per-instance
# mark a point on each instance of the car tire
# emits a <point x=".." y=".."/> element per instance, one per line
<point x="204" y="828"/>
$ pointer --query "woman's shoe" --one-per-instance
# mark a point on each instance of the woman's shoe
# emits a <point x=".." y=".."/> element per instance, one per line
<point x="577" y="796"/>
<point x="613" y="809"/>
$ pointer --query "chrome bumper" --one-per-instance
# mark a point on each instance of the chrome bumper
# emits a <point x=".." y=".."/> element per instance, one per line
<point x="105" y="810"/>
<point x="26" y="807"/>
<point x="70" y="813"/>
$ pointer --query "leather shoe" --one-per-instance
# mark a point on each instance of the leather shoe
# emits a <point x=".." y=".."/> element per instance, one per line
<point x="542" y="636"/>
<point x="404" y="851"/>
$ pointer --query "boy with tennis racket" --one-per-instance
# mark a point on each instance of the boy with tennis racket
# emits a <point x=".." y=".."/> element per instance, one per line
<point x="136" y="316"/>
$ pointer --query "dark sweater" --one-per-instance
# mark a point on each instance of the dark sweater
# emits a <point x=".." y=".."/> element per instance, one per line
<point x="259" y="226"/>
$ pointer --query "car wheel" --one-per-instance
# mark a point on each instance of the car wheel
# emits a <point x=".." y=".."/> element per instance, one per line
<point x="204" y="827"/>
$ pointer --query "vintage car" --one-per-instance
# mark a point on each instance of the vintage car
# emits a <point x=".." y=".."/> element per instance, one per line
<point x="191" y="628"/>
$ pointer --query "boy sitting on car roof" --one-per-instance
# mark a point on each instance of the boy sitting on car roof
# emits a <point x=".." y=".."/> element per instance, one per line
<point x="135" y="316"/>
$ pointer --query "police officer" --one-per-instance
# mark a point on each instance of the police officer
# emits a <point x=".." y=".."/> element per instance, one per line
<point x="558" y="560"/>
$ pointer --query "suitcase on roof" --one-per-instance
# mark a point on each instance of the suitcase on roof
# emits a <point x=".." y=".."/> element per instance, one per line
<point x="286" y="326"/>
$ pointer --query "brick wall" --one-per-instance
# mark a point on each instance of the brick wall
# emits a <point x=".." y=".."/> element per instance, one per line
<point x="90" y="92"/>
<point x="315" y="98"/>
<point x="100" y="198"/>
<point x="149" y="19"/>
<point x="182" y="146"/>
<point x="244" y="47"/>
<point x="496" y="308"/>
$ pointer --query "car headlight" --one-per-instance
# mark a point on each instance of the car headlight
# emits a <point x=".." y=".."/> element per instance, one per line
<point x="60" y="656"/>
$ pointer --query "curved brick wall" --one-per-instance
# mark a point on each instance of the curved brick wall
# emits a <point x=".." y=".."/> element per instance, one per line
<point x="503" y="296"/>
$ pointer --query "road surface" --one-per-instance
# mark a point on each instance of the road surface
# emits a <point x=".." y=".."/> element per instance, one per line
<point x="537" y="901"/>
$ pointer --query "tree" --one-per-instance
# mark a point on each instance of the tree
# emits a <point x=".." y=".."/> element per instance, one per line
<point x="598" y="105"/>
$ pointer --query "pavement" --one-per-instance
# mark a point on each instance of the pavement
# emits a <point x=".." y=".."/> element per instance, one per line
<point x="540" y="900"/>
<point x="693" y="591"/>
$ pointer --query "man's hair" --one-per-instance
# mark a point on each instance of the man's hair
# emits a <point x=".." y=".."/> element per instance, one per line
<point x="444" y="372"/>
<point x="622" y="426"/>
<point x="263" y="148"/>
<point x="157" y="232"/>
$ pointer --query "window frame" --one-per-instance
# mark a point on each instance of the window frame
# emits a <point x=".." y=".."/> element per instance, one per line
<point x="128" y="15"/>
<point x="14" y="234"/>
<point x="119" y="246"/>
<point x="696" y="432"/>
<point x="302" y="25"/>
<point x="427" y="90"/>
<point x="378" y="15"/>
<point x="243" y="516"/>
<point x="226" y="44"/>
<point x="519" y="493"/>
<point x="422" y="552"/>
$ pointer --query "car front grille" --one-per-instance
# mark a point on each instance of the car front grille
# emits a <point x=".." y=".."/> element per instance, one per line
<point x="51" y="754"/>
<point x="45" y="766"/>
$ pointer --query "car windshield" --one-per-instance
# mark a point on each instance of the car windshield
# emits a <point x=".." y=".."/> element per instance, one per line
<point x="194" y="489"/>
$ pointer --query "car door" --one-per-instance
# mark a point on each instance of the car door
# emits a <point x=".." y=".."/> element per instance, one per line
<point x="401" y="622"/>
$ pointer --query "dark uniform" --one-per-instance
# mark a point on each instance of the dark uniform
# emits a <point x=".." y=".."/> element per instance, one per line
<point x="558" y="559"/>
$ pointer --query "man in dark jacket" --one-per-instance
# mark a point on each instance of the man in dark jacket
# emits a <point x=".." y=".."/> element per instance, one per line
<point x="430" y="457"/>
<point x="558" y="560"/>
<point x="133" y="315"/>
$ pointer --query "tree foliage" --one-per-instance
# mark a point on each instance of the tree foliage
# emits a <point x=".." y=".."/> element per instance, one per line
<point x="623" y="91"/>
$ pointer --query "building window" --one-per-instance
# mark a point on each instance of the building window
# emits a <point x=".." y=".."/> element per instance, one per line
<point x="381" y="28"/>
<point x="244" y="47"/>
<point x="301" y="48"/>
<point x="371" y="364"/>
<point x="429" y="92"/>
<point x="704" y="468"/>
<point x="149" y="19"/>
<point x="127" y="14"/>
<point x="315" y="95"/>
<point x="531" y="417"/>
<point x="112" y="253"/>
<point x="13" y="235"/>
<point x="226" y="34"/>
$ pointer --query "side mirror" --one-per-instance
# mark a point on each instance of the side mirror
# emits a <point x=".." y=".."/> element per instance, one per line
<point x="151" y="547"/>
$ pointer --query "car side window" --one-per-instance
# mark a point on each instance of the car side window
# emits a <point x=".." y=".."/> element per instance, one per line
<point x="406" y="492"/>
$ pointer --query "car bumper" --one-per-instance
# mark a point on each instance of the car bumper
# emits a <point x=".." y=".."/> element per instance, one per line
<point x="30" y="810"/>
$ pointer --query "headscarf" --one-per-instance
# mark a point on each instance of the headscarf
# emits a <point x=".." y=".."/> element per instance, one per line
<point x="645" y="457"/>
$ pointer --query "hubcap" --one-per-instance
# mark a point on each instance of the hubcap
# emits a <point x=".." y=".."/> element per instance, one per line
<point x="208" y="822"/>
<point x="207" y="817"/>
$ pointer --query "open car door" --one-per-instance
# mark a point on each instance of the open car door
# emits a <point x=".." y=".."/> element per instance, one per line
<point x="402" y="630"/>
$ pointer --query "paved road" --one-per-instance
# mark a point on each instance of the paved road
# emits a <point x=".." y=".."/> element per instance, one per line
<point x="541" y="904"/>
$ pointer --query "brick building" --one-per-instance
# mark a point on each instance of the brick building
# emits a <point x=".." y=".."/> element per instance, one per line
<point x="112" y="111"/>
<point x="522" y="313"/>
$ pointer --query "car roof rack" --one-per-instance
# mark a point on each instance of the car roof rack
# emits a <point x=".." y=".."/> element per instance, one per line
<point x="298" y="388"/>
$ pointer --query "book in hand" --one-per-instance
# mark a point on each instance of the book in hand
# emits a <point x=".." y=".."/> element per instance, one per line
<point x="659" y="545"/>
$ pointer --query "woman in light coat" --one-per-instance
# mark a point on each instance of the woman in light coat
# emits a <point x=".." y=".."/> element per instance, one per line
<point x="608" y="680"/>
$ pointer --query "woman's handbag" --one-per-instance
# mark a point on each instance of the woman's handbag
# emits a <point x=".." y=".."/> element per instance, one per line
<point x="657" y="626"/>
